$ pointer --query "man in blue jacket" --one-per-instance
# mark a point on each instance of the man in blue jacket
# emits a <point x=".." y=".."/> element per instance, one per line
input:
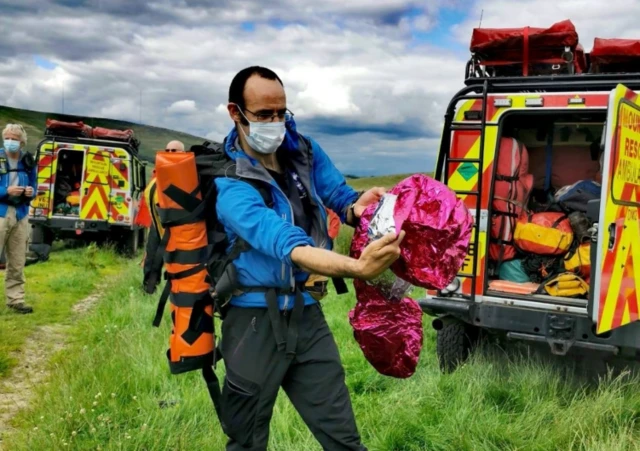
<point x="274" y="333"/>
<point x="17" y="188"/>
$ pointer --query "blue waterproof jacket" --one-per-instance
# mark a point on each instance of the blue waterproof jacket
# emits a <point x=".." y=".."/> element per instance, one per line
<point x="271" y="232"/>
<point x="25" y="178"/>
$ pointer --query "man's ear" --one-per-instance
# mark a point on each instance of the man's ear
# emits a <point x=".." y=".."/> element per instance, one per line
<point x="234" y="113"/>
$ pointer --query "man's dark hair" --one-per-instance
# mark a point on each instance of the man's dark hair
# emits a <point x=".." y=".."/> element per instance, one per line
<point x="236" y="90"/>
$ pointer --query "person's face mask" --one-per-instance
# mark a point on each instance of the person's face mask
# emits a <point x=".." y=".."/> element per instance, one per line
<point x="11" y="145"/>
<point x="264" y="137"/>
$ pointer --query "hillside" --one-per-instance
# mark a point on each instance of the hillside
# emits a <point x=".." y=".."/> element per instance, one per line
<point x="151" y="138"/>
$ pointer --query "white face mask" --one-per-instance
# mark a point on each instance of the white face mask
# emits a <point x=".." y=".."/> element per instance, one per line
<point x="264" y="137"/>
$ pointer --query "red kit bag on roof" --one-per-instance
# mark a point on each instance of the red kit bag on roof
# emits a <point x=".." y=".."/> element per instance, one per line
<point x="511" y="190"/>
<point x="69" y="129"/>
<point x="615" y="55"/>
<point x="107" y="133"/>
<point x="527" y="46"/>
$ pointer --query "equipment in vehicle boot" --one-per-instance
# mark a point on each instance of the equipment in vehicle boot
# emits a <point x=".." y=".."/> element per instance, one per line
<point x="512" y="188"/>
<point x="543" y="233"/>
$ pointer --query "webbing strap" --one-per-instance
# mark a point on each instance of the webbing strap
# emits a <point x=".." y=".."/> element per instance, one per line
<point x="185" y="273"/>
<point x="161" y="304"/>
<point x="213" y="386"/>
<point x="340" y="285"/>
<point x="189" y="257"/>
<point x="271" y="297"/>
<point x="197" y="324"/>
<point x="293" y="329"/>
<point x="548" y="160"/>
<point x="294" y="325"/>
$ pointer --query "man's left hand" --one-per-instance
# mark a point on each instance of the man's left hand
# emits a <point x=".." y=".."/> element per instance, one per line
<point x="369" y="197"/>
<point x="28" y="191"/>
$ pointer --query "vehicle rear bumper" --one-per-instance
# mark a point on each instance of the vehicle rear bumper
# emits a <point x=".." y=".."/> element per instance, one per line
<point x="535" y="324"/>
<point x="74" y="224"/>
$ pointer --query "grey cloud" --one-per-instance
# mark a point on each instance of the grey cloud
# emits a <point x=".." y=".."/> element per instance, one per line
<point x="105" y="57"/>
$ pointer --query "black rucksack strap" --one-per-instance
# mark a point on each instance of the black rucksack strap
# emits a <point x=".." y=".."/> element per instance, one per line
<point x="340" y="285"/>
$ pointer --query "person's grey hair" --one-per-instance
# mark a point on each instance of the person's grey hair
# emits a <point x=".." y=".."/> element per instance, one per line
<point x="18" y="130"/>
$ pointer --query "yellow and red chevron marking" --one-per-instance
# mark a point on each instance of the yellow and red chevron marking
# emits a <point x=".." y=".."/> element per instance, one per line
<point x="620" y="270"/>
<point x="94" y="203"/>
<point x="117" y="174"/>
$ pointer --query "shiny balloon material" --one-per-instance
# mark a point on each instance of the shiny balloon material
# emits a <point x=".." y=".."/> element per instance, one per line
<point x="438" y="229"/>
<point x="388" y="332"/>
<point x="387" y="325"/>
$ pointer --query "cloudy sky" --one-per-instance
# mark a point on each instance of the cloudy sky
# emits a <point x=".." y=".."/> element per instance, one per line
<point x="369" y="79"/>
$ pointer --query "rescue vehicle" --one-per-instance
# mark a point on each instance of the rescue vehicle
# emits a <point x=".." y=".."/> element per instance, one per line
<point x="90" y="181"/>
<point x="534" y="94"/>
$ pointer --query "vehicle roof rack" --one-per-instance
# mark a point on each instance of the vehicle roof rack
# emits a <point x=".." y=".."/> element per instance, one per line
<point x="555" y="83"/>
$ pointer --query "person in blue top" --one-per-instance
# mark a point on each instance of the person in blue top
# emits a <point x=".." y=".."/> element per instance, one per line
<point x="17" y="188"/>
<point x="274" y="333"/>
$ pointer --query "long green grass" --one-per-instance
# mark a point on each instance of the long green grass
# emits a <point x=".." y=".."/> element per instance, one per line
<point x="52" y="288"/>
<point x="111" y="390"/>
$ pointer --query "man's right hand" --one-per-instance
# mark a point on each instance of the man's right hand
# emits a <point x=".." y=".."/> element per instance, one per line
<point x="15" y="190"/>
<point x="379" y="255"/>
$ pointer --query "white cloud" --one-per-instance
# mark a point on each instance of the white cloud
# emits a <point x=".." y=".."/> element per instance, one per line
<point x="183" y="107"/>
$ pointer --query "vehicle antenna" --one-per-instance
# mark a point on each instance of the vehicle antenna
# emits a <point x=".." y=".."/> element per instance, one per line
<point x="481" y="14"/>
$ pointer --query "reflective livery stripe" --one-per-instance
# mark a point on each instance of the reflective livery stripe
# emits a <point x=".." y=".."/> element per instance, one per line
<point x="615" y="298"/>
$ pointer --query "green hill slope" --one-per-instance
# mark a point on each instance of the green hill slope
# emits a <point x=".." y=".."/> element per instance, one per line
<point x="151" y="138"/>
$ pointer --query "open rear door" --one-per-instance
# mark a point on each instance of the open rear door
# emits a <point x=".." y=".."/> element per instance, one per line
<point x="95" y="185"/>
<point x="615" y="294"/>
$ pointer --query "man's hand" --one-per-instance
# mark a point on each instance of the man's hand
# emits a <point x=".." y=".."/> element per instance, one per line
<point x="15" y="190"/>
<point x="379" y="255"/>
<point x="369" y="197"/>
<point x="28" y="191"/>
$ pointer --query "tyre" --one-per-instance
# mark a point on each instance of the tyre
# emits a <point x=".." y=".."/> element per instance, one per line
<point x="455" y="340"/>
<point x="42" y="235"/>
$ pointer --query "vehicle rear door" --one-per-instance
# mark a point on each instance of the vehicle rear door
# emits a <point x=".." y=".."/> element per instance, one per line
<point x="46" y="156"/>
<point x="120" y="186"/>
<point x="617" y="274"/>
<point x="95" y="184"/>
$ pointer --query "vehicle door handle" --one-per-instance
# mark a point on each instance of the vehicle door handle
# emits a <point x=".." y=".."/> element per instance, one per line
<point x="612" y="235"/>
<point x="86" y="191"/>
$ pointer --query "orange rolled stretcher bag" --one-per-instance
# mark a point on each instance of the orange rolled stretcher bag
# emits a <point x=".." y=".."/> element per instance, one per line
<point x="194" y="251"/>
<point x="192" y="342"/>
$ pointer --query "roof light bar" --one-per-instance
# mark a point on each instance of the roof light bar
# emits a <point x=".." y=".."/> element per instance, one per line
<point x="502" y="102"/>
<point x="536" y="101"/>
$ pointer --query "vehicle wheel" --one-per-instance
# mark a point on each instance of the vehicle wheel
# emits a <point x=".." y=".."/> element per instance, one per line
<point x="128" y="243"/>
<point x="42" y="235"/>
<point x="454" y="342"/>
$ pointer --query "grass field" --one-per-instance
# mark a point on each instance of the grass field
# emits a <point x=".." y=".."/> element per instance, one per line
<point x="106" y="390"/>
<point x="110" y="388"/>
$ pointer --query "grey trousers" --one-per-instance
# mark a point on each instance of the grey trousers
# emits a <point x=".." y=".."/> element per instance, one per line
<point x="256" y="369"/>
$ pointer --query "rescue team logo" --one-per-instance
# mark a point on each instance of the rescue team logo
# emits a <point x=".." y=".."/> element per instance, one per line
<point x="620" y="276"/>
